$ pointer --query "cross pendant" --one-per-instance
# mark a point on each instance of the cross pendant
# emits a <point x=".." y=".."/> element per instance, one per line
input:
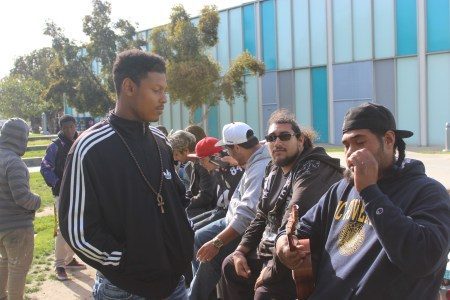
<point x="160" y="201"/>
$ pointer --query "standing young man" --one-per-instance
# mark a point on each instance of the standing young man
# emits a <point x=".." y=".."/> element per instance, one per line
<point x="17" y="208"/>
<point x="52" y="168"/>
<point x="121" y="201"/>
<point x="383" y="232"/>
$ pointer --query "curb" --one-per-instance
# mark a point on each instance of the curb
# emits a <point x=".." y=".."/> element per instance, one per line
<point x="32" y="161"/>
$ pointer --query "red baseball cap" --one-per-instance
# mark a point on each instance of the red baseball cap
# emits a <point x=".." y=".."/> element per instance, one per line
<point x="206" y="147"/>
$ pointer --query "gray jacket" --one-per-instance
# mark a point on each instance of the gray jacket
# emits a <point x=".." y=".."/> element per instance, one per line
<point x="243" y="203"/>
<point x="17" y="203"/>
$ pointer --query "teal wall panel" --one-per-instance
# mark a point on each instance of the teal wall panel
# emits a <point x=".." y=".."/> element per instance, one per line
<point x="268" y="34"/>
<point x="176" y="116"/>
<point x="184" y="116"/>
<point x="318" y="20"/>
<point x="300" y="13"/>
<point x="438" y="25"/>
<point x="303" y="97"/>
<point x="239" y="110"/>
<point x="224" y="113"/>
<point x="249" y="29"/>
<point x="222" y="46"/>
<point x="362" y="29"/>
<point x="252" y="105"/>
<point x="236" y="43"/>
<point x="408" y="116"/>
<point x="438" y="70"/>
<point x="213" y="123"/>
<point x="406" y="27"/>
<point x="320" y="102"/>
<point x="284" y="32"/>
<point x="384" y="29"/>
<point x="198" y="114"/>
<point x="342" y="30"/>
<point x="165" y="118"/>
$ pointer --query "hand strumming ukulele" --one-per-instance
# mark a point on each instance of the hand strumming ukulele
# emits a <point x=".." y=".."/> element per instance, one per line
<point x="303" y="276"/>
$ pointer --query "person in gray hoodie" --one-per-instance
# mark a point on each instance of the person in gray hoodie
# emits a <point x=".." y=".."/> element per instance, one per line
<point x="17" y="208"/>
<point x="217" y="240"/>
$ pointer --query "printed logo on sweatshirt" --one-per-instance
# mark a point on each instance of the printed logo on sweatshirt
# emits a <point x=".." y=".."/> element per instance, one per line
<point x="167" y="174"/>
<point x="353" y="233"/>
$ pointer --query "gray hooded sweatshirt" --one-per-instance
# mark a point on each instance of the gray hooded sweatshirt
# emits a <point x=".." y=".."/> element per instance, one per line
<point x="243" y="203"/>
<point x="17" y="203"/>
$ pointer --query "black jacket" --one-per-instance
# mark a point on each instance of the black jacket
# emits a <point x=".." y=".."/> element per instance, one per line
<point x="52" y="165"/>
<point x="388" y="242"/>
<point x="202" y="190"/>
<point x="110" y="217"/>
<point x="311" y="176"/>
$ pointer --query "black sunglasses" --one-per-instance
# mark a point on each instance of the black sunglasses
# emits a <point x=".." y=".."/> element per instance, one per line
<point x="284" y="136"/>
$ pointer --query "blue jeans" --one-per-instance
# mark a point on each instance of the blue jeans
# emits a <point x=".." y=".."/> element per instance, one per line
<point x="103" y="289"/>
<point x="207" y="274"/>
<point x="208" y="217"/>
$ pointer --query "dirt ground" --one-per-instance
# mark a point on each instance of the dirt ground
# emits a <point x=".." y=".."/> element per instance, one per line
<point x="78" y="287"/>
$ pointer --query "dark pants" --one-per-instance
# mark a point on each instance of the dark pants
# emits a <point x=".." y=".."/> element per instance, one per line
<point x="237" y="287"/>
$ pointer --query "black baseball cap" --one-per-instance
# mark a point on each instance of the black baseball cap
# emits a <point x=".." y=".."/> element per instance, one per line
<point x="372" y="116"/>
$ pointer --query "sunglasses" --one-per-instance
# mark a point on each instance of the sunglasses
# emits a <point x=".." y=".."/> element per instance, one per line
<point x="284" y="136"/>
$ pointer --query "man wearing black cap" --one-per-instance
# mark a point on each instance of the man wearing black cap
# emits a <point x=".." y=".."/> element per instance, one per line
<point x="383" y="232"/>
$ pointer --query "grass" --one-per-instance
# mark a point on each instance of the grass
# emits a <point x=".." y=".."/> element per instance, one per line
<point x="36" y="134"/>
<point x="38" y="186"/>
<point x="39" y="142"/>
<point x="42" y="255"/>
<point x="34" y="153"/>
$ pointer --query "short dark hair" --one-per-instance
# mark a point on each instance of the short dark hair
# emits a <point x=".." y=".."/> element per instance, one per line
<point x="66" y="119"/>
<point x="197" y="131"/>
<point x="135" y="64"/>
<point x="250" y="143"/>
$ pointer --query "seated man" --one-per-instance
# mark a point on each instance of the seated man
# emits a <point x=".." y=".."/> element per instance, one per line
<point x="300" y="174"/>
<point x="181" y="142"/>
<point x="227" y="177"/>
<point x="218" y="239"/>
<point x="201" y="193"/>
<point x="383" y="232"/>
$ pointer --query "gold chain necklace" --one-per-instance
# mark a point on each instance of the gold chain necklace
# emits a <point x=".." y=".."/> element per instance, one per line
<point x="159" y="197"/>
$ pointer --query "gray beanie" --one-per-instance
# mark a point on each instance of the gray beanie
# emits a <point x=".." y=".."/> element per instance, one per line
<point x="14" y="136"/>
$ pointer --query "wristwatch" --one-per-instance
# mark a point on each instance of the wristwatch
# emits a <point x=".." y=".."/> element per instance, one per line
<point x="217" y="242"/>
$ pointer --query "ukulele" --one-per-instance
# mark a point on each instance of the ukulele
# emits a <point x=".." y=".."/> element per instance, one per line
<point x="303" y="275"/>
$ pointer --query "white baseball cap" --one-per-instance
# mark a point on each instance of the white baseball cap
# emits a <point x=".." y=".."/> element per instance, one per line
<point x="235" y="133"/>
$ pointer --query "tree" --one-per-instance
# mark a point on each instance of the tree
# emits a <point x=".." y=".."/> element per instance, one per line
<point x="193" y="77"/>
<point x="36" y="66"/>
<point x="22" y="98"/>
<point x="72" y="75"/>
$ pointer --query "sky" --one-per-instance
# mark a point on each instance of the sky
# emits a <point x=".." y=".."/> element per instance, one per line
<point x="22" y="22"/>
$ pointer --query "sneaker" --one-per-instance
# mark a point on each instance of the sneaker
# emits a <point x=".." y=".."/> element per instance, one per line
<point x="61" y="274"/>
<point x="75" y="265"/>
